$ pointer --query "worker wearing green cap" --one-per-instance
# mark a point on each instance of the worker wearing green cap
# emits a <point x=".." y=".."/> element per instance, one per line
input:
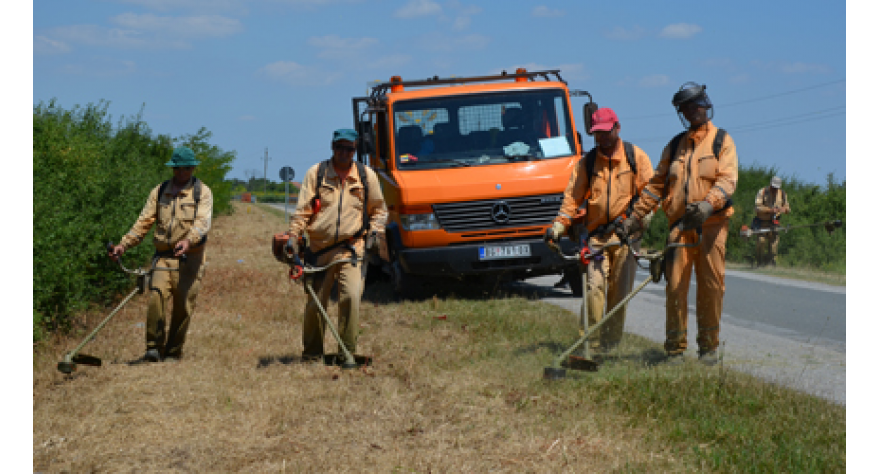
<point x="340" y="210"/>
<point x="181" y="209"/>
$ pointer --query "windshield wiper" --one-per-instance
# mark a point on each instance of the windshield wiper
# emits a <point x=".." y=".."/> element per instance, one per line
<point x="528" y="157"/>
<point x="454" y="162"/>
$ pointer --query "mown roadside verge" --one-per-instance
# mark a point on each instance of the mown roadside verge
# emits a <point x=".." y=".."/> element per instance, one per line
<point x="456" y="386"/>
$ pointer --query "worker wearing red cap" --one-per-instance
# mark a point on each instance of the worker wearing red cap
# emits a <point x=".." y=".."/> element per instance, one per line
<point x="606" y="182"/>
<point x="694" y="182"/>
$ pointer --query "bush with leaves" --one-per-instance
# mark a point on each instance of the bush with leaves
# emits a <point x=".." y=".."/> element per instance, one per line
<point x="811" y="247"/>
<point x="91" y="181"/>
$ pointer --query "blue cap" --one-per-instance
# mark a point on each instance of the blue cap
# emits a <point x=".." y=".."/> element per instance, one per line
<point x="345" y="134"/>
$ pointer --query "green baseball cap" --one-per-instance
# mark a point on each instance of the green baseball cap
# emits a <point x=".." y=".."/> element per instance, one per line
<point x="182" y="156"/>
<point x="345" y="134"/>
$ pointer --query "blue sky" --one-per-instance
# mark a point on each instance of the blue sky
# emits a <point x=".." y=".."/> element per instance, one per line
<point x="280" y="74"/>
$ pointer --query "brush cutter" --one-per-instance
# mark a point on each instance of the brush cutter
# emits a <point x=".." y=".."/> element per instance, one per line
<point x="307" y="272"/>
<point x="72" y="358"/>
<point x="586" y="255"/>
<point x="746" y="232"/>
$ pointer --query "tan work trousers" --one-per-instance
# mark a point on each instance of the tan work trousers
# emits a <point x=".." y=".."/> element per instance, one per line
<point x="608" y="281"/>
<point x="177" y="289"/>
<point x="707" y="260"/>
<point x="351" y="287"/>
<point x="766" y="248"/>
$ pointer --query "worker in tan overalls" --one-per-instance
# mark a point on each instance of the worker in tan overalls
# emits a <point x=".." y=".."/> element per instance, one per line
<point x="610" y="189"/>
<point x="694" y="181"/>
<point x="182" y="214"/>
<point x="770" y="203"/>
<point x="338" y="217"/>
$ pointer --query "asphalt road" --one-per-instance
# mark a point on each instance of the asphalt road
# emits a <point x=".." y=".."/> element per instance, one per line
<point x="786" y="331"/>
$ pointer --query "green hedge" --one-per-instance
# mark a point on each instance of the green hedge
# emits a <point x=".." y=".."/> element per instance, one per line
<point x="91" y="181"/>
<point x="805" y="247"/>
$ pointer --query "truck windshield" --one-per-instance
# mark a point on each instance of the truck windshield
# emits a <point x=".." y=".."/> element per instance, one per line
<point x="482" y="129"/>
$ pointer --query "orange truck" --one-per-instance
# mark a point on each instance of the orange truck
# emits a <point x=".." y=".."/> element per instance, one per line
<point x="473" y="170"/>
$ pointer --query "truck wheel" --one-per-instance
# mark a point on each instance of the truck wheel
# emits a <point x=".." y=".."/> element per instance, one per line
<point x="406" y="285"/>
<point x="573" y="275"/>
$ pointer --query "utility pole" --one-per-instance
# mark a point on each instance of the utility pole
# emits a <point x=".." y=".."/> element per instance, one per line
<point x="266" y="174"/>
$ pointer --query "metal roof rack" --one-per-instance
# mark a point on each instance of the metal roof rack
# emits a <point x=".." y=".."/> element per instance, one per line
<point x="383" y="88"/>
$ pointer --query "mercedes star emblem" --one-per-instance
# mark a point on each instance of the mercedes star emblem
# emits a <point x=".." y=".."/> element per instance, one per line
<point x="501" y="212"/>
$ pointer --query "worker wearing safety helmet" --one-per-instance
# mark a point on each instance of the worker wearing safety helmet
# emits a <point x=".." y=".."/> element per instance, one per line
<point x="330" y="214"/>
<point x="607" y="191"/>
<point x="694" y="181"/>
<point x="181" y="208"/>
<point x="770" y="203"/>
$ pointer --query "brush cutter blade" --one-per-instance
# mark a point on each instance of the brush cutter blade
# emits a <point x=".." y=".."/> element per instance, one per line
<point x="66" y="367"/>
<point x="553" y="373"/>
<point x="579" y="363"/>
<point x="339" y="359"/>
<point x="85" y="359"/>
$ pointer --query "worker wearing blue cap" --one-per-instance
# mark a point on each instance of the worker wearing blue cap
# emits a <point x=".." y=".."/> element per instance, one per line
<point x="181" y="209"/>
<point x="340" y="210"/>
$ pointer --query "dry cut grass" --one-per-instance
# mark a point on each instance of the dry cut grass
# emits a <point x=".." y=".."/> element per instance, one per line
<point x="455" y="387"/>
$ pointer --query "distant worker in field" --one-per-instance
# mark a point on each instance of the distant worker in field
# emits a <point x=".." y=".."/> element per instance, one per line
<point x="694" y="181"/>
<point x="340" y="210"/>
<point x="770" y="203"/>
<point x="609" y="178"/>
<point x="181" y="209"/>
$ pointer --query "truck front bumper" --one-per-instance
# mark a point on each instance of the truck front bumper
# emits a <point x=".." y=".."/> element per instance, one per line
<point x="460" y="260"/>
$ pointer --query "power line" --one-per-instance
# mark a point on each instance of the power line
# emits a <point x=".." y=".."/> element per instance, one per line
<point x="779" y="122"/>
<point x="747" y="101"/>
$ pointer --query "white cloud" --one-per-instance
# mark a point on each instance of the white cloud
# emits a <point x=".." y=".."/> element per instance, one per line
<point x="619" y="33"/>
<point x="461" y="23"/>
<point x="44" y="45"/>
<point x="335" y="47"/>
<point x="680" y="31"/>
<point x="295" y="74"/>
<point x="203" y="26"/>
<point x="417" y="8"/>
<point x="192" y="5"/>
<point x="543" y="11"/>
<point x="654" y="80"/>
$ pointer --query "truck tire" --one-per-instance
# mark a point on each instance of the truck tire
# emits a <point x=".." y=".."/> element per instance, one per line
<point x="406" y="285"/>
<point x="573" y="275"/>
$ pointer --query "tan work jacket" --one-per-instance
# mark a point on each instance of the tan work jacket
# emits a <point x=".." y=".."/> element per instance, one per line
<point x="692" y="173"/>
<point x="613" y="187"/>
<point x="342" y="204"/>
<point x="766" y="200"/>
<point x="177" y="219"/>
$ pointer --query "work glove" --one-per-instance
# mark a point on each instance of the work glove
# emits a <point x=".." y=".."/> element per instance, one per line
<point x="553" y="235"/>
<point x="630" y="225"/>
<point x="291" y="248"/>
<point x="371" y="244"/>
<point x="695" y="214"/>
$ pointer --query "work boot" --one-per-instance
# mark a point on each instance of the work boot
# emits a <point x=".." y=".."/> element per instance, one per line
<point x="674" y="359"/>
<point x="709" y="357"/>
<point x="152" y="355"/>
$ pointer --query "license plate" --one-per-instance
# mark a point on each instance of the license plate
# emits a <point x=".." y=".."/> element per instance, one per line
<point x="490" y="252"/>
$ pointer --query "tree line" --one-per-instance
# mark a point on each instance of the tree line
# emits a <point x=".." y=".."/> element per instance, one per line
<point x="91" y="180"/>
<point x="812" y="247"/>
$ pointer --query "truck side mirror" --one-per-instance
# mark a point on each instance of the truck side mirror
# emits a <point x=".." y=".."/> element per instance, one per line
<point x="589" y="109"/>
<point x="365" y="144"/>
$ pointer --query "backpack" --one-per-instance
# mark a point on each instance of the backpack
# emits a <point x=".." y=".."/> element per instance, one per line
<point x="590" y="162"/>
<point x="365" y="221"/>
<point x="716" y="150"/>
<point x="197" y="196"/>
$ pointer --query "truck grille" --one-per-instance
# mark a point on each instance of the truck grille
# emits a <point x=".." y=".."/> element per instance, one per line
<point x="498" y="213"/>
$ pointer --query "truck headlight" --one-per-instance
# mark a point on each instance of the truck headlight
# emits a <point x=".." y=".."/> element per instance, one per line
<point x="419" y="222"/>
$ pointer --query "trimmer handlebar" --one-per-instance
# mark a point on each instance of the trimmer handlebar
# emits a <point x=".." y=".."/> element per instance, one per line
<point x="153" y="267"/>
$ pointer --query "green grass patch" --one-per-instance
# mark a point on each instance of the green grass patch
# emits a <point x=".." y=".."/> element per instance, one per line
<point x="709" y="418"/>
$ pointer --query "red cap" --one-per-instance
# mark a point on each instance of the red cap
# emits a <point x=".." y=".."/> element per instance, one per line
<point x="603" y="120"/>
